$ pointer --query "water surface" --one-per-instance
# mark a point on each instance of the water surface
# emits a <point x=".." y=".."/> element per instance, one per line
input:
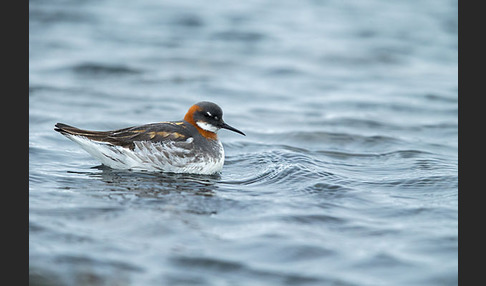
<point x="347" y="175"/>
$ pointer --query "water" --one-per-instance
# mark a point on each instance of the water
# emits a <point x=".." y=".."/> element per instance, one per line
<point x="347" y="175"/>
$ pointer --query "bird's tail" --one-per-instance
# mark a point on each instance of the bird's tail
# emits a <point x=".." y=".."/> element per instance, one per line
<point x="65" y="129"/>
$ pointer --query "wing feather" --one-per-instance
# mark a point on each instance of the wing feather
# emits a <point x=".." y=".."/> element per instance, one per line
<point x="155" y="132"/>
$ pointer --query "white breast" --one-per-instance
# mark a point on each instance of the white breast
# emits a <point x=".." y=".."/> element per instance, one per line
<point x="177" y="157"/>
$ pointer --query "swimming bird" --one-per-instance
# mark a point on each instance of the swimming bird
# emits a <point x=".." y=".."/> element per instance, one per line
<point x="190" y="145"/>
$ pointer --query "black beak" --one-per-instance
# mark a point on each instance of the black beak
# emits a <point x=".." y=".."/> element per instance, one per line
<point x="226" y="126"/>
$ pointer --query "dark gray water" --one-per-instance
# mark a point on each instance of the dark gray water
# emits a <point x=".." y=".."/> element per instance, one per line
<point x="348" y="174"/>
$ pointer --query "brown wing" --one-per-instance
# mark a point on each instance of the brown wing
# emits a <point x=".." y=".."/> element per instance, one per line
<point x="155" y="132"/>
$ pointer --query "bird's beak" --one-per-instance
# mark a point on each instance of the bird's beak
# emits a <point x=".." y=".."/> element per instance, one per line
<point x="226" y="126"/>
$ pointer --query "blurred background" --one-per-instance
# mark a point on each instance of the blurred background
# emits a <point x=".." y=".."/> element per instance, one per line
<point x="347" y="175"/>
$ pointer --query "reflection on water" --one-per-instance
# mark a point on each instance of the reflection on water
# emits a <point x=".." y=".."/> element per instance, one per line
<point x="153" y="184"/>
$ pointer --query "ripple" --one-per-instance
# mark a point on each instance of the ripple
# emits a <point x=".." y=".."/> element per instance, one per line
<point x="421" y="183"/>
<point x="239" y="36"/>
<point x="384" y="260"/>
<point x="207" y="263"/>
<point x="334" y="140"/>
<point x="280" y="167"/>
<point x="81" y="213"/>
<point x="97" y="69"/>
<point x="38" y="13"/>
<point x="188" y="20"/>
<point x="404" y="154"/>
<point x="230" y="268"/>
<point x="314" y="219"/>
<point x="332" y="189"/>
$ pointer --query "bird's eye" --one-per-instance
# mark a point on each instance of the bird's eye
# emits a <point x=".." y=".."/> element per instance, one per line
<point x="207" y="115"/>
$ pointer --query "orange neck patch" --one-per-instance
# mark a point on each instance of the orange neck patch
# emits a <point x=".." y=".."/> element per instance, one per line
<point x="190" y="118"/>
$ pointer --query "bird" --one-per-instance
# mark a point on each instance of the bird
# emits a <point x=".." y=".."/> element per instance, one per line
<point x="188" y="146"/>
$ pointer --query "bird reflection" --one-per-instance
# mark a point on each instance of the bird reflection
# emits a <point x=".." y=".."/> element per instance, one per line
<point x="152" y="184"/>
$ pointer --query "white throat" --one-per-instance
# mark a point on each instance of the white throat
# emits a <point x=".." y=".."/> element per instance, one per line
<point x="208" y="127"/>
